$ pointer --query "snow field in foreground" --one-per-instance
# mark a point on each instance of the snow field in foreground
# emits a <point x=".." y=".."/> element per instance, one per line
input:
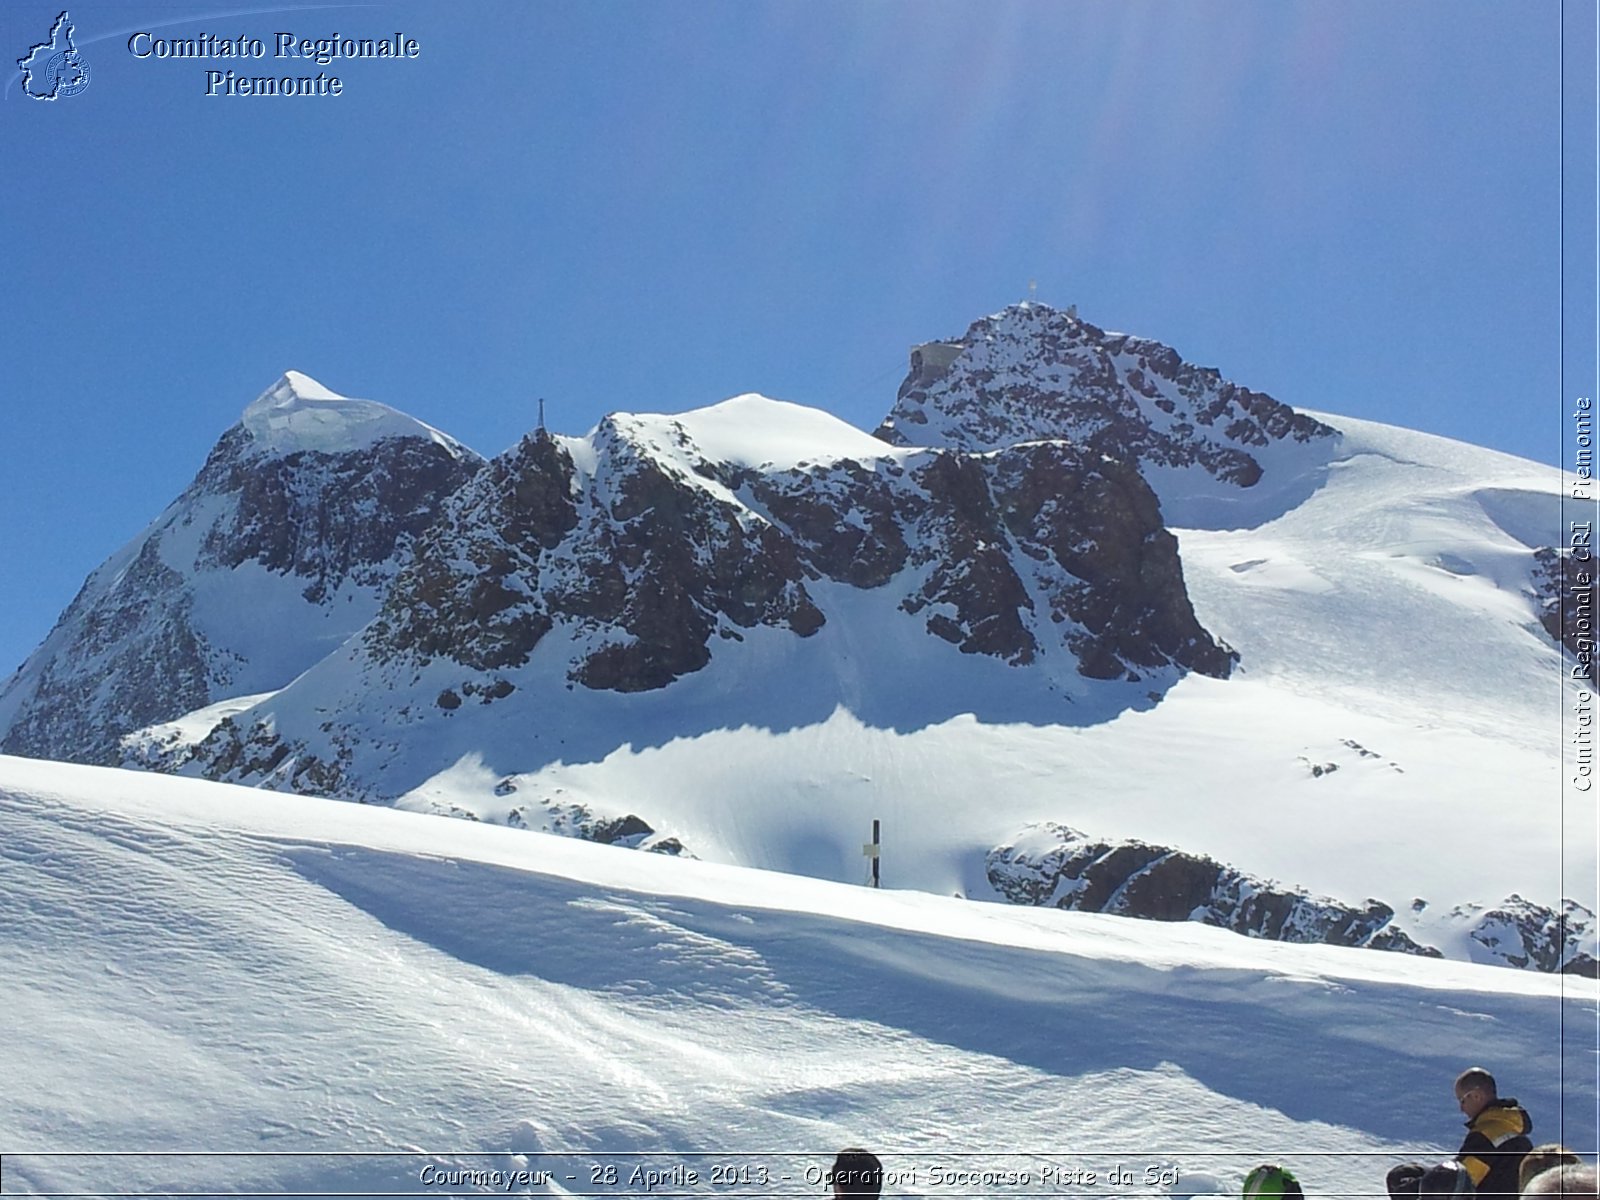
<point x="191" y="966"/>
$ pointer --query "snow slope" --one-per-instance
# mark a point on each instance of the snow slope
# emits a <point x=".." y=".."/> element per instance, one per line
<point x="272" y="979"/>
<point x="759" y="432"/>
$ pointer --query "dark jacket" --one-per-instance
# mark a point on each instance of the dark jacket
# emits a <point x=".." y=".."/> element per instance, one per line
<point x="1497" y="1141"/>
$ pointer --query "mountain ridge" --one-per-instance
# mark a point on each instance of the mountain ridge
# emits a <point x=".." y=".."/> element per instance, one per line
<point x="640" y="565"/>
<point x="680" y="590"/>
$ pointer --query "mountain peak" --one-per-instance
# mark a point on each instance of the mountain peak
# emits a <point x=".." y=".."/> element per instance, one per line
<point x="300" y="517"/>
<point x="297" y="413"/>
<point x="305" y="387"/>
<point x="1027" y="315"/>
<point x="1031" y="371"/>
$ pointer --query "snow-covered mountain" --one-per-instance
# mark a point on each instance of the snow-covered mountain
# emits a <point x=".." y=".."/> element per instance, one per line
<point x="1114" y="634"/>
<point x="278" y="551"/>
<point x="792" y="562"/>
<point x="274" y="980"/>
<point x="1218" y="454"/>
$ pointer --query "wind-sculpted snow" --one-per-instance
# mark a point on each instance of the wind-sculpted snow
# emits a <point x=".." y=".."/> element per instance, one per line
<point x="196" y="967"/>
<point x="278" y="551"/>
<point x="1032" y="372"/>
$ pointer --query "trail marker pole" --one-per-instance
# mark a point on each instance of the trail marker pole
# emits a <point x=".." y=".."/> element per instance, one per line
<point x="871" y="850"/>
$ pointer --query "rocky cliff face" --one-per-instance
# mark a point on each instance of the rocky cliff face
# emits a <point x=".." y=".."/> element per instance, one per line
<point x="651" y="557"/>
<point x="277" y="552"/>
<point x="1050" y="865"/>
<point x="645" y="563"/>
<point x="1033" y="372"/>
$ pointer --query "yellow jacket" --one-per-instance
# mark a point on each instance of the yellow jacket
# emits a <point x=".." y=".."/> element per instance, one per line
<point x="1497" y="1140"/>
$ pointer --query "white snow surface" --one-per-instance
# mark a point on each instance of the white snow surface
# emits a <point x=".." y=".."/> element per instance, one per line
<point x="192" y="967"/>
<point x="297" y="413"/>
<point x="756" y="431"/>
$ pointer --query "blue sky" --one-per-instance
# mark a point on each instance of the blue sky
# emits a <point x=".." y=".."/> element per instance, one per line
<point x="1354" y="205"/>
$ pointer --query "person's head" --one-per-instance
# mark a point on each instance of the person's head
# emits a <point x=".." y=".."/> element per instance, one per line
<point x="1474" y="1090"/>
<point x="1569" y="1179"/>
<point x="1541" y="1159"/>
<point x="1271" y="1182"/>
<point x="1404" y="1181"/>
<point x="1447" y="1179"/>
<point x="856" y="1172"/>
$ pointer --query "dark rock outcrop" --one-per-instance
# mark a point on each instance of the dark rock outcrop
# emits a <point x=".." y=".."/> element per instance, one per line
<point x="1564" y="589"/>
<point x="652" y="563"/>
<point x="1052" y="865"/>
<point x="647" y="561"/>
<point x="1535" y="937"/>
<point x="325" y="517"/>
<point x="125" y="655"/>
<point x="578" y="821"/>
<point x="1099" y="523"/>
<point x="479" y="606"/>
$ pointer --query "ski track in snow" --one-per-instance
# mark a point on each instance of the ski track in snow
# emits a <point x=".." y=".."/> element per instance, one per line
<point x="194" y="966"/>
